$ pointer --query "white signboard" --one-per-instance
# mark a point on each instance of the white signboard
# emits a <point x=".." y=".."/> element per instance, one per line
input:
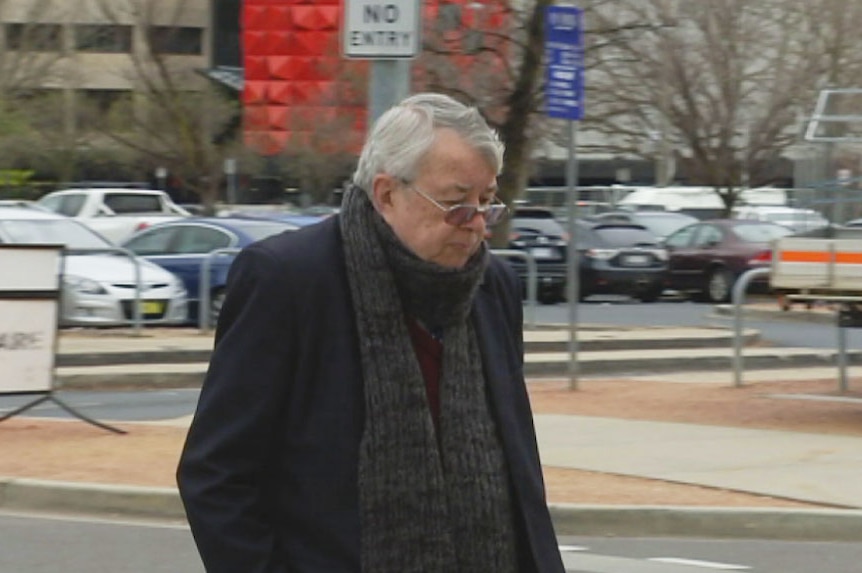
<point x="27" y="332"/>
<point x="29" y="299"/>
<point x="381" y="29"/>
<point x="29" y="268"/>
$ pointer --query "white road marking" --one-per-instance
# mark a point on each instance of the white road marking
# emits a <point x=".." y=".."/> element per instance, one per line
<point x="567" y="548"/>
<point x="699" y="563"/>
<point x="153" y="523"/>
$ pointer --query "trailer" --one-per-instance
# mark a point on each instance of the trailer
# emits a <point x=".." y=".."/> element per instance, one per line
<point x="823" y="264"/>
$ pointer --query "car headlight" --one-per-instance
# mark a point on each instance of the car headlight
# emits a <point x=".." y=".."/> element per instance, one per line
<point x="84" y="285"/>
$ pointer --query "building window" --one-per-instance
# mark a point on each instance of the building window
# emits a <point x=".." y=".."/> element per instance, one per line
<point x="34" y="37"/>
<point x="176" y="40"/>
<point x="225" y="41"/>
<point x="103" y="39"/>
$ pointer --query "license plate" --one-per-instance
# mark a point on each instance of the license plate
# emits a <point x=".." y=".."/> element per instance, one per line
<point x="152" y="307"/>
<point x="543" y="253"/>
<point x="637" y="260"/>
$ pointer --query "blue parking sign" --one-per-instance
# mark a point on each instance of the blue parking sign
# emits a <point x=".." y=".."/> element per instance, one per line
<point x="564" y="62"/>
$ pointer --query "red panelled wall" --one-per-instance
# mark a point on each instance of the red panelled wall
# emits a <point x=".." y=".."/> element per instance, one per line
<point x="300" y="92"/>
<point x="295" y="77"/>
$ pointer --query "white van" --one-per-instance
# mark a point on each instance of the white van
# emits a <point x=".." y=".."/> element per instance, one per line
<point x="701" y="202"/>
<point x="797" y="219"/>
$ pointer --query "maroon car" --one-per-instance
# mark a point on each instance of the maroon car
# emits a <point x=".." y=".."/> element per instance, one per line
<point x="707" y="257"/>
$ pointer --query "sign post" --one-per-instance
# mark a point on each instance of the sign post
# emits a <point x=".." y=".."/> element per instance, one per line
<point x="388" y="33"/>
<point x="29" y="301"/>
<point x="564" y="99"/>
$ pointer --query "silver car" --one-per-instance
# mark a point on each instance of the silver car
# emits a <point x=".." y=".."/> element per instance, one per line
<point x="98" y="289"/>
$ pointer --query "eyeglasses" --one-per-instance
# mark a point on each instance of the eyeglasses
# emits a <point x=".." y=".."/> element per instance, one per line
<point x="457" y="215"/>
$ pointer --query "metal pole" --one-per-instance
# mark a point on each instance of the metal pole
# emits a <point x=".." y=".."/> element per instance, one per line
<point x="572" y="279"/>
<point x="390" y="83"/>
<point x="842" y="356"/>
<point x="230" y="175"/>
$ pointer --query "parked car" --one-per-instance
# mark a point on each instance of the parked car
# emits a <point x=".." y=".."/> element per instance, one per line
<point x="800" y="220"/>
<point x="707" y="258"/>
<point x="114" y="213"/>
<point x="620" y="258"/>
<point x="659" y="223"/>
<point x="181" y="247"/>
<point x="536" y="231"/>
<point x="298" y="219"/>
<point x="98" y="289"/>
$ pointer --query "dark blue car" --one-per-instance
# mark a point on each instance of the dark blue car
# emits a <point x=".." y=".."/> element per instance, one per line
<point x="182" y="246"/>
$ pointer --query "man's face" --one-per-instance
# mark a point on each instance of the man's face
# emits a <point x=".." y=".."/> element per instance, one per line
<point x="451" y="173"/>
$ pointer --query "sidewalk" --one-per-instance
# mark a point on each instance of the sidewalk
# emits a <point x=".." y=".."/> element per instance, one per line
<point x="785" y="436"/>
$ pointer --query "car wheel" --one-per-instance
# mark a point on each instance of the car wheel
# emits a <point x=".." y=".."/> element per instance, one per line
<point x="547" y="297"/>
<point x="216" y="302"/>
<point x="718" y="286"/>
<point x="651" y="295"/>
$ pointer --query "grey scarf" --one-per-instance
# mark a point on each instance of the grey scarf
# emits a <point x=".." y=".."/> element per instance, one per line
<point x="423" y="508"/>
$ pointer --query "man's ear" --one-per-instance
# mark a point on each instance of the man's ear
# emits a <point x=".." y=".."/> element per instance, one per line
<point x="383" y="189"/>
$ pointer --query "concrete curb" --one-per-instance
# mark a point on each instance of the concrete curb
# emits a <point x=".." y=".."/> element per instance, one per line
<point x="732" y="523"/>
<point x="569" y="519"/>
<point x="748" y="313"/>
<point x="89" y="498"/>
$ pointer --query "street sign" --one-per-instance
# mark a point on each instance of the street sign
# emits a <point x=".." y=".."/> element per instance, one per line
<point x="564" y="57"/>
<point x="381" y="30"/>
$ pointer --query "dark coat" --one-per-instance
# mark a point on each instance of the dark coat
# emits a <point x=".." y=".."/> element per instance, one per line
<point x="268" y="474"/>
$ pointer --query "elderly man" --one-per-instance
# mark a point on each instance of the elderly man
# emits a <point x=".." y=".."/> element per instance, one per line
<point x="365" y="407"/>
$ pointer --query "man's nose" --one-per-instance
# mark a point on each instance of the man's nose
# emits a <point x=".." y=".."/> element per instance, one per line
<point x="477" y="223"/>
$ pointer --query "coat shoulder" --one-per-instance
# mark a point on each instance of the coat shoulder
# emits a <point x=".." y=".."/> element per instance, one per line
<point x="308" y="250"/>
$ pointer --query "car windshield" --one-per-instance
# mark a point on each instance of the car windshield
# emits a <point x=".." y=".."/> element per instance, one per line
<point x="67" y="204"/>
<point x="760" y="233"/>
<point x="53" y="232"/>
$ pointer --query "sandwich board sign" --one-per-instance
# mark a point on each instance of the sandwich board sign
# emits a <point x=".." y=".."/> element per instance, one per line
<point x="29" y="295"/>
<point x="30" y="279"/>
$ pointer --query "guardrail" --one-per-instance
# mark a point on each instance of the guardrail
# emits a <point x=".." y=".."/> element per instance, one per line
<point x="738" y="297"/>
<point x="204" y="286"/>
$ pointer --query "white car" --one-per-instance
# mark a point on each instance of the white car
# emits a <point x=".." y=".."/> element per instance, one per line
<point x="115" y="213"/>
<point x="98" y="289"/>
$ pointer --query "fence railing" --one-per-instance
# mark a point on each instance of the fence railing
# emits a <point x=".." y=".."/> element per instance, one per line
<point x="204" y="311"/>
<point x="204" y="287"/>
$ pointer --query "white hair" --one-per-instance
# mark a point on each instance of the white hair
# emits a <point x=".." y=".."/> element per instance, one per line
<point x="402" y="136"/>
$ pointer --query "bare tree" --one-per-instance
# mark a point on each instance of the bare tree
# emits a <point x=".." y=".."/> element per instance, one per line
<point x="32" y="54"/>
<point x="32" y="44"/>
<point x="490" y="53"/>
<point x="722" y="85"/>
<point x="176" y="118"/>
